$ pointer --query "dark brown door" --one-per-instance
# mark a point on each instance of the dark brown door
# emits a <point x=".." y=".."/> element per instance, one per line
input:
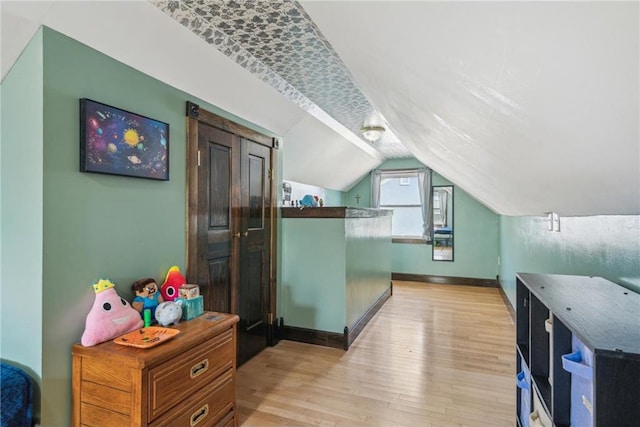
<point x="230" y="255"/>
<point x="218" y="174"/>
<point x="253" y="295"/>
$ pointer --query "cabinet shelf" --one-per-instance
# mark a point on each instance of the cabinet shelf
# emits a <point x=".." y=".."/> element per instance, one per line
<point x="557" y="314"/>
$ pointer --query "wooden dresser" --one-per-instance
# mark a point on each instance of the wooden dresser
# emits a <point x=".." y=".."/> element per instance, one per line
<point x="186" y="381"/>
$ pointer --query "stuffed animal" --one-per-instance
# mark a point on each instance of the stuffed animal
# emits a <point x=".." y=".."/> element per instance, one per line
<point x="147" y="295"/>
<point x="309" y="200"/>
<point x="109" y="317"/>
<point x="169" y="312"/>
<point x="173" y="280"/>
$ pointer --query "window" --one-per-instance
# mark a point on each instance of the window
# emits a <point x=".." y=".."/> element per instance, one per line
<point x="437" y="218"/>
<point x="399" y="191"/>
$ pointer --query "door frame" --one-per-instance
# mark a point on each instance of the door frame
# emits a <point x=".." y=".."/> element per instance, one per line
<point x="194" y="116"/>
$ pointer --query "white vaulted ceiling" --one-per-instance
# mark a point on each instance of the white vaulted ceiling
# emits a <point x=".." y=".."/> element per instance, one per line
<point x="529" y="106"/>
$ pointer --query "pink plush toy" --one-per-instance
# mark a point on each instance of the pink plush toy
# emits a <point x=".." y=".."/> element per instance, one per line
<point x="110" y="316"/>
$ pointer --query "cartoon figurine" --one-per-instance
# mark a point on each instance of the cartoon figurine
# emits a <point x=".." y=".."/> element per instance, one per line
<point x="173" y="280"/>
<point x="147" y="295"/>
<point x="110" y="316"/>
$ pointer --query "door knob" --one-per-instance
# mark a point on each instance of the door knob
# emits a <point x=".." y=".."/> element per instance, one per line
<point x="245" y="234"/>
<point x="236" y="234"/>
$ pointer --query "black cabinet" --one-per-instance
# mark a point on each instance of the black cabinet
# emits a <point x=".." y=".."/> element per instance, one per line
<point x="578" y="340"/>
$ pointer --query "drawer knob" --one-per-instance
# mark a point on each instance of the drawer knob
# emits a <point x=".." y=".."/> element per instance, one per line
<point x="199" y="415"/>
<point x="199" y="368"/>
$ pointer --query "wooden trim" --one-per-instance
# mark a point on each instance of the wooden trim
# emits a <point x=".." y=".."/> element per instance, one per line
<point x="273" y="271"/>
<point x="194" y="111"/>
<point x="445" y="280"/>
<point x="192" y="199"/>
<point x="313" y="336"/>
<point x="352" y="333"/>
<point x="507" y="303"/>
<point x="411" y="240"/>
<point x="333" y="212"/>
<point x="333" y="339"/>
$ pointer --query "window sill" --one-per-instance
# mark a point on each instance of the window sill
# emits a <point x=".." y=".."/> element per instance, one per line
<point x="411" y="240"/>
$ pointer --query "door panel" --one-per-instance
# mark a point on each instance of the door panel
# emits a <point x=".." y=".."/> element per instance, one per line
<point x="218" y="298"/>
<point x="256" y="191"/>
<point x="253" y="297"/>
<point x="252" y="327"/>
<point x="219" y="187"/>
<point x="216" y="262"/>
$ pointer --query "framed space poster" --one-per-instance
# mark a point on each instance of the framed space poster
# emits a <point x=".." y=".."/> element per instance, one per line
<point x="118" y="142"/>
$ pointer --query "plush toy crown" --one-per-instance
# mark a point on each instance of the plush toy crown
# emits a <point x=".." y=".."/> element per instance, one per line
<point x="102" y="285"/>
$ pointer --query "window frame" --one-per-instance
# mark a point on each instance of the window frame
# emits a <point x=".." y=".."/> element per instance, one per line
<point x="400" y="174"/>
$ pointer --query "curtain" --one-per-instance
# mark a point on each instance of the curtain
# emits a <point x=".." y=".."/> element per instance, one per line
<point x="376" y="179"/>
<point x="426" y="197"/>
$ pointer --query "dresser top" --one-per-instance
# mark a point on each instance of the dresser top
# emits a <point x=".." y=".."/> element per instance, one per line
<point x="192" y="332"/>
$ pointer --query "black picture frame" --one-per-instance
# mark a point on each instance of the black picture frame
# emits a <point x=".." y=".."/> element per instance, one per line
<point x="118" y="142"/>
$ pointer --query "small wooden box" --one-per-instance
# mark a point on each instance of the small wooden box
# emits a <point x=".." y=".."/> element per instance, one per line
<point x="188" y="291"/>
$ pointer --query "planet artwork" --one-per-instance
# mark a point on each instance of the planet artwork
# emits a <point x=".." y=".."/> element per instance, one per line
<point x="118" y="142"/>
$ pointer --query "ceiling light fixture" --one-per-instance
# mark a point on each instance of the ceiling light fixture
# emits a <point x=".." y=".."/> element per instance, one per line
<point x="372" y="133"/>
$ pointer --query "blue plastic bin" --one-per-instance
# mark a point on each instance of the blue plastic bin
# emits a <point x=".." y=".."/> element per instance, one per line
<point x="523" y="381"/>
<point x="579" y="364"/>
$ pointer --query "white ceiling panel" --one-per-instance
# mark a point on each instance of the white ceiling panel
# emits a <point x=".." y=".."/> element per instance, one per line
<point x="529" y="106"/>
<point x="314" y="154"/>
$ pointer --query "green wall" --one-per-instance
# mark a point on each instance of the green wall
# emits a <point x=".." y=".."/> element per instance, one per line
<point x="98" y="226"/>
<point x="76" y="228"/>
<point x="368" y="264"/>
<point x="334" y="198"/>
<point x="333" y="270"/>
<point x="476" y="233"/>
<point x="313" y="280"/>
<point x="21" y="178"/>
<point x="606" y="246"/>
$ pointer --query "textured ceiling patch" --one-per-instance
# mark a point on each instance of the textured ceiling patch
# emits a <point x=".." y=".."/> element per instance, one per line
<point x="278" y="41"/>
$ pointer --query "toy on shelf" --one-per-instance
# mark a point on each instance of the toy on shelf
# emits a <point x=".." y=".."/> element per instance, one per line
<point x="173" y="280"/>
<point x="109" y="317"/>
<point x="169" y="312"/>
<point x="147" y="295"/>
<point x="188" y="291"/>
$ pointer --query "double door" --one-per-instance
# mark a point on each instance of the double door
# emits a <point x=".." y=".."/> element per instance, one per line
<point x="229" y="248"/>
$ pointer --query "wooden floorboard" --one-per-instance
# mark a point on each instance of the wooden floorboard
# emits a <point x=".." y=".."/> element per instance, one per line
<point x="434" y="355"/>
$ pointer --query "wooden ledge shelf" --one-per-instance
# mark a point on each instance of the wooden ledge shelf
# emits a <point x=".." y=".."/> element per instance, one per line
<point x="333" y="212"/>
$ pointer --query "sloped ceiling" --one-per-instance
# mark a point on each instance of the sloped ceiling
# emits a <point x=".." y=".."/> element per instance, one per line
<point x="528" y="106"/>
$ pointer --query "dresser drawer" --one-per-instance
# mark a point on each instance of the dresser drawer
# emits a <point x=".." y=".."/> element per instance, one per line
<point x="212" y="406"/>
<point x="176" y="381"/>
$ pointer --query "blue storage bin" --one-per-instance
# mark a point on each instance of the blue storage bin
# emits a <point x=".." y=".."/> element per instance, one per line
<point x="579" y="364"/>
<point x="523" y="381"/>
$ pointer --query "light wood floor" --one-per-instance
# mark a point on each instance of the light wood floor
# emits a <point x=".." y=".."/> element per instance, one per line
<point x="434" y="355"/>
